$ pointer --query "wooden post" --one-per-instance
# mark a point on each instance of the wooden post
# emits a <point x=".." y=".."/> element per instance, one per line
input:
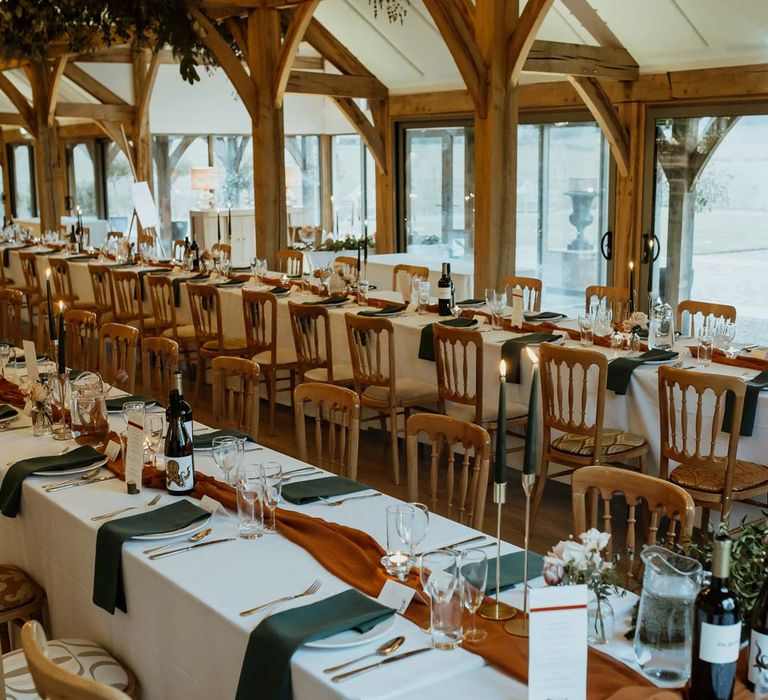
<point x="326" y="183"/>
<point x="144" y="73"/>
<point x="7" y="214"/>
<point x="385" y="200"/>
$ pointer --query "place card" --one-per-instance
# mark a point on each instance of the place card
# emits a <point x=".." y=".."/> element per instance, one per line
<point x="30" y="359"/>
<point x="557" y="643"/>
<point x="113" y="450"/>
<point x="396" y="595"/>
<point x="134" y="458"/>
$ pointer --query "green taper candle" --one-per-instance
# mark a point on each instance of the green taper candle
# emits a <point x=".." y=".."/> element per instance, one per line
<point x="529" y="457"/>
<point x="500" y="467"/>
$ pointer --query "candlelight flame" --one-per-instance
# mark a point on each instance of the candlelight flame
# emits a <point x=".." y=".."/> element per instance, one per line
<point x="532" y="356"/>
<point x="61" y="306"/>
<point x="631" y="265"/>
<point x="502" y="368"/>
<point x="47" y="273"/>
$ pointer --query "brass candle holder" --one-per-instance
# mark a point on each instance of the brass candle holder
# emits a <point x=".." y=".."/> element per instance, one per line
<point x="519" y="626"/>
<point x="63" y="432"/>
<point x="495" y="609"/>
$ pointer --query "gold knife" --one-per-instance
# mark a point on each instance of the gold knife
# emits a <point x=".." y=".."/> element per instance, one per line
<point x="469" y="540"/>
<point x="171" y="552"/>
<point x="388" y="660"/>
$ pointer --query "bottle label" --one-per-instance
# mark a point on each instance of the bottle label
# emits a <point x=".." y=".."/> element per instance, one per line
<point x="720" y="643"/>
<point x="443" y="292"/>
<point x="179" y="473"/>
<point x="758" y="656"/>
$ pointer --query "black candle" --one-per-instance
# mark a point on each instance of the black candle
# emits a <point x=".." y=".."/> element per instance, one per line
<point x="631" y="287"/>
<point x="62" y="340"/>
<point x="500" y="462"/>
<point x="529" y="456"/>
<point x="365" y="260"/>
<point x="650" y="266"/>
<point x="51" y="326"/>
<point x="229" y="224"/>
<point x="358" y="258"/>
<point x="218" y="227"/>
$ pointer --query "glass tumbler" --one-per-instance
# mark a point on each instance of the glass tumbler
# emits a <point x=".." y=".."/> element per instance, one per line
<point x="424" y="292"/>
<point x="585" y="328"/>
<point x="250" y="514"/>
<point x="397" y="560"/>
<point x="705" y="339"/>
<point x="440" y="580"/>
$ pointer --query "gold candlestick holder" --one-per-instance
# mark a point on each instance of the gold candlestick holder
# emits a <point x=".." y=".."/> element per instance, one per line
<point x="519" y="626"/>
<point x="62" y="432"/>
<point x="494" y="609"/>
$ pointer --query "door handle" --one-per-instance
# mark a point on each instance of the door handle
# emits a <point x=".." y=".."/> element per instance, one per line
<point x="606" y="245"/>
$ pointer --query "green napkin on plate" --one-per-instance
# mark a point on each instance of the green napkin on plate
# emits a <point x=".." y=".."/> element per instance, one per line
<point x="330" y="301"/>
<point x="20" y="359"/>
<point x="620" y="370"/>
<point x="205" y="441"/>
<point x="279" y="290"/>
<point x="7" y="411"/>
<point x="302" y="492"/>
<point x="542" y="315"/>
<point x="510" y="351"/>
<point x="427" y="340"/>
<point x="10" y="490"/>
<point x="512" y="570"/>
<point x="108" y="591"/>
<point x="266" y="668"/>
<point x="754" y="387"/>
<point x="471" y="302"/>
<point x="232" y="283"/>
<point x="386" y="311"/>
<point x="81" y="258"/>
<point x="117" y="402"/>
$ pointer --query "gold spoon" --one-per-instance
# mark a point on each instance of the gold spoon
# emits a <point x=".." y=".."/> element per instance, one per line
<point x="384" y="650"/>
<point x="195" y="538"/>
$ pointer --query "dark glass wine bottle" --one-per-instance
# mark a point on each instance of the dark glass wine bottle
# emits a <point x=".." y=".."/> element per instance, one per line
<point x="179" y="452"/>
<point x="184" y="407"/>
<point x="717" y="631"/>
<point x="445" y="291"/>
<point x="758" y="639"/>
<point x="194" y="251"/>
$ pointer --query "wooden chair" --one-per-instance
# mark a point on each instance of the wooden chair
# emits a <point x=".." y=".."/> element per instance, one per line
<point x="11" y="302"/>
<point x="260" y="317"/>
<point x="123" y="343"/>
<point x="464" y="491"/>
<point x="21" y="599"/>
<point x="82" y="339"/>
<point x="205" y="307"/>
<point x="235" y="394"/>
<point x="222" y="250"/>
<point x="616" y="299"/>
<point x="704" y="309"/>
<point x="660" y="497"/>
<point x="689" y="438"/>
<point x="312" y="342"/>
<point x="347" y="264"/>
<point x="291" y="262"/>
<point x="159" y="362"/>
<point x="459" y="366"/>
<point x="531" y="287"/>
<point x="573" y="386"/>
<point x="67" y="669"/>
<point x="31" y="289"/>
<point x="409" y="272"/>
<point x="160" y="288"/>
<point x="5" y="281"/>
<point x="338" y="452"/>
<point x="114" y="234"/>
<point x="103" y="292"/>
<point x="128" y="298"/>
<point x="372" y="349"/>
<point x="178" y="248"/>
<point x="62" y="285"/>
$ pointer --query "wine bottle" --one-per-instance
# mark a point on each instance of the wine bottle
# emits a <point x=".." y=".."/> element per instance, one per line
<point x="717" y="631"/>
<point x="445" y="291"/>
<point x="758" y="642"/>
<point x="184" y="407"/>
<point x="194" y="251"/>
<point x="179" y="451"/>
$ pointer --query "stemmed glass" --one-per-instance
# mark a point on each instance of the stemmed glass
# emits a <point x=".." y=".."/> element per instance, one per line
<point x="227" y="452"/>
<point x="154" y="434"/>
<point x="473" y="572"/>
<point x="418" y="528"/>
<point x="271" y="485"/>
<point x="439" y="579"/>
<point x="5" y="355"/>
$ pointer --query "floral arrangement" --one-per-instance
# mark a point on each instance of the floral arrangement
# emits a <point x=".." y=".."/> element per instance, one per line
<point x="348" y="243"/>
<point x="38" y="395"/>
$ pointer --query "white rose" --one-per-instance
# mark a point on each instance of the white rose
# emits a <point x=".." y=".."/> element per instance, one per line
<point x="593" y="539"/>
<point x="575" y="553"/>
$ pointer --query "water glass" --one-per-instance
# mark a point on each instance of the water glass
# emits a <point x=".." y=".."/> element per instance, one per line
<point x="5" y="354"/>
<point x="271" y="475"/>
<point x="250" y="513"/>
<point x="362" y="292"/>
<point x="424" y="294"/>
<point x="227" y="452"/>
<point x="419" y="527"/>
<point x="617" y="343"/>
<point x="397" y="560"/>
<point x="154" y="433"/>
<point x="413" y="292"/>
<point x="706" y="339"/>
<point x="473" y="576"/>
<point x="585" y="327"/>
<point x="440" y="581"/>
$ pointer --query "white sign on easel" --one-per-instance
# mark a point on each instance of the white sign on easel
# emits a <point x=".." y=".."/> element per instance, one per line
<point x="144" y="205"/>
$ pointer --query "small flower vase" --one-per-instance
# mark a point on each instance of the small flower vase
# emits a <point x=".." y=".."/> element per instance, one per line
<point x="42" y="419"/>
<point x="599" y="620"/>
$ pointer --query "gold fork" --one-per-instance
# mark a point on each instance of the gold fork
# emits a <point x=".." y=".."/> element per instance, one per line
<point x="313" y="588"/>
<point x="125" y="510"/>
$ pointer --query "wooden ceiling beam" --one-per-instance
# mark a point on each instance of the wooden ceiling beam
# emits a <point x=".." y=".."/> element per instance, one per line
<point x="92" y="86"/>
<point x="333" y="51"/>
<point x="237" y="29"/>
<point x="580" y="59"/>
<point x="52" y="94"/>
<point x="593" y="23"/>
<point x="367" y="131"/>
<point x="300" y="20"/>
<point x="20" y="102"/>
<point x="84" y="110"/>
<point x="12" y="119"/>
<point x="332" y="85"/>
<point x="115" y="54"/>
<point x="606" y="116"/>
<point x="524" y="36"/>
<point x="148" y="85"/>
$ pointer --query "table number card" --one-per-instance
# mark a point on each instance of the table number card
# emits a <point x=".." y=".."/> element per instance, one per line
<point x="30" y="359"/>
<point x="557" y="643"/>
<point x="134" y="458"/>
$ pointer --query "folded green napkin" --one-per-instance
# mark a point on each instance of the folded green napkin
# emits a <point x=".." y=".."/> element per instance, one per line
<point x="470" y="302"/>
<point x="330" y="301"/>
<point x="543" y="316"/>
<point x="386" y="311"/>
<point x="427" y="340"/>
<point x="117" y="402"/>
<point x="512" y="570"/>
<point x="10" y="490"/>
<point x="620" y="370"/>
<point x="21" y="359"/>
<point x="7" y="411"/>
<point x="176" y="283"/>
<point x="266" y="669"/>
<point x="232" y="283"/>
<point x="205" y="441"/>
<point x="279" y="290"/>
<point x="80" y="258"/>
<point x="754" y="387"/>
<point x="510" y="351"/>
<point x="108" y="591"/>
<point x="302" y="492"/>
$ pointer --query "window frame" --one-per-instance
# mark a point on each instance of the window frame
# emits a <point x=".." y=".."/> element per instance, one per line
<point x="11" y="163"/>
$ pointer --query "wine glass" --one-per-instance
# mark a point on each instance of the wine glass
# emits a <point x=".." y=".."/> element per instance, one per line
<point x="437" y="572"/>
<point x="154" y="434"/>
<point x="473" y="574"/>
<point x="419" y="527"/>
<point x="227" y="452"/>
<point x="271" y="484"/>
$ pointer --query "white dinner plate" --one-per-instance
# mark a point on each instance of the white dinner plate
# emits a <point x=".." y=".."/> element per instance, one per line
<point x="350" y="638"/>
<point x="74" y="470"/>
<point x="182" y="532"/>
<point x="560" y="340"/>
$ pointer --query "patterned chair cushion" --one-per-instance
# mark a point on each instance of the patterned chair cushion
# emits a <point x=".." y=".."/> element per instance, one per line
<point x="614" y="442"/>
<point x="747" y="475"/>
<point x="77" y="656"/>
<point x="16" y="588"/>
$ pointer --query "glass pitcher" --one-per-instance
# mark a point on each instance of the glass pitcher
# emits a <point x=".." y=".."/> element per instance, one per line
<point x="661" y="327"/>
<point x="89" y="408"/>
<point x="664" y="628"/>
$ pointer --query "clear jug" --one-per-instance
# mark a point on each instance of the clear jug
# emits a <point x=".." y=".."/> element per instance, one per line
<point x="89" y="408"/>
<point x="661" y="331"/>
<point x="664" y="630"/>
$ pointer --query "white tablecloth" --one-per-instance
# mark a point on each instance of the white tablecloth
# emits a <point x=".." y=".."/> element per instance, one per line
<point x="462" y="272"/>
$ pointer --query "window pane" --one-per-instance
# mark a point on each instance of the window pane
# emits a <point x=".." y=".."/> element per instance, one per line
<point x="84" y="179"/>
<point x="439" y="202"/>
<point x="346" y="188"/>
<point x="233" y="158"/>
<point x="710" y="215"/>
<point x="119" y="180"/>
<point x="23" y="181"/>
<point x="302" y="180"/>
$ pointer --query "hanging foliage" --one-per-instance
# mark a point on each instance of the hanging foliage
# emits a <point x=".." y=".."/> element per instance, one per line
<point x="395" y="9"/>
<point x="38" y="29"/>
